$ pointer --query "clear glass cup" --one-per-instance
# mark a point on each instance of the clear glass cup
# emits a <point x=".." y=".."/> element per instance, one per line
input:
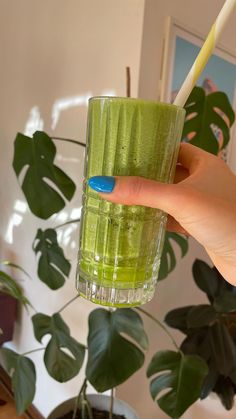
<point x="121" y="245"/>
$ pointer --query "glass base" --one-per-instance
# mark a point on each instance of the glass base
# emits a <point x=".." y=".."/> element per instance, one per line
<point x="114" y="297"/>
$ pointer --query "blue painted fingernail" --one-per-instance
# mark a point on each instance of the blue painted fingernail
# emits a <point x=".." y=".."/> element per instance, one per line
<point x="102" y="183"/>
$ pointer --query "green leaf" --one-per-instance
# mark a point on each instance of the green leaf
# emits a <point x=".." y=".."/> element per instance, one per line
<point x="232" y="376"/>
<point x="220" y="293"/>
<point x="9" y="286"/>
<point x="42" y="179"/>
<point x="223" y="349"/>
<point x="183" y="376"/>
<point x="210" y="380"/>
<point x="226" y="302"/>
<point x="22" y="371"/>
<point x="168" y="258"/>
<point x="53" y="267"/>
<point x="205" y="278"/>
<point x="9" y="359"/>
<point x="226" y="391"/>
<point x="116" y="342"/>
<point x="14" y="265"/>
<point x="197" y="343"/>
<point x="223" y="285"/>
<point x="61" y="365"/>
<point x="24" y="381"/>
<point x="177" y="318"/>
<point x="202" y="112"/>
<point x="201" y="315"/>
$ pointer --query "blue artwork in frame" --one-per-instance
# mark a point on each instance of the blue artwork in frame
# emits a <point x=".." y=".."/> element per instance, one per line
<point x="219" y="74"/>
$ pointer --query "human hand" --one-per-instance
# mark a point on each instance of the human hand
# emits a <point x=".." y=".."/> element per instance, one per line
<point x="201" y="202"/>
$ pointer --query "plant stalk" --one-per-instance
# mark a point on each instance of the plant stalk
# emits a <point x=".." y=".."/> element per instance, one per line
<point x="34" y="350"/>
<point x="69" y="140"/>
<point x="159" y="324"/>
<point x="68" y="303"/>
<point x="111" y="404"/>
<point x="78" y="397"/>
<point x="76" y="220"/>
<point x="86" y="405"/>
<point x="128" y="82"/>
<point x="82" y="403"/>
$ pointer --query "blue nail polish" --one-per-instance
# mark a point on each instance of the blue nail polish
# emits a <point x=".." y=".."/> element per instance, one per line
<point x="102" y="183"/>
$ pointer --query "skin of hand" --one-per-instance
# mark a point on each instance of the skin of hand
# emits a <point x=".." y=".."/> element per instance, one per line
<point x="201" y="203"/>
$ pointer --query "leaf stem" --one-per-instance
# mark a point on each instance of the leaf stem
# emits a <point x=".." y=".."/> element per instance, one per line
<point x="159" y="324"/>
<point x="82" y="393"/>
<point x="69" y="140"/>
<point x="111" y="404"/>
<point x="68" y="303"/>
<point x="34" y="350"/>
<point x="76" y="220"/>
<point x="76" y="406"/>
<point x="78" y="397"/>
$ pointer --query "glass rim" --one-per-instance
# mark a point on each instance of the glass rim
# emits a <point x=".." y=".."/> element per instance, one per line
<point x="131" y="99"/>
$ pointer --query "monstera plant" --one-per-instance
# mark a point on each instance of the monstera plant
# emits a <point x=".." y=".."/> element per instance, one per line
<point x="117" y="342"/>
<point x="210" y="332"/>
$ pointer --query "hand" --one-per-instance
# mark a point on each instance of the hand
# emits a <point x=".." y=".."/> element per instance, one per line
<point x="201" y="202"/>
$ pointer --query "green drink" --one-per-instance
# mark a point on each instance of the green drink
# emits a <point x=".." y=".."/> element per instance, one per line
<point x="121" y="245"/>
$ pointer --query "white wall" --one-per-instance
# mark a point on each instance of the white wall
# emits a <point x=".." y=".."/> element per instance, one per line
<point x="72" y="49"/>
<point x="179" y="289"/>
<point x="53" y="55"/>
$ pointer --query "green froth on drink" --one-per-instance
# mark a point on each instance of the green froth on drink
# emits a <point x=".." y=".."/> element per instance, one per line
<point x="121" y="245"/>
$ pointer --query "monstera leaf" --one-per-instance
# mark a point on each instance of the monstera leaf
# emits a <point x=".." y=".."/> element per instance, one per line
<point x="219" y="292"/>
<point x="223" y="349"/>
<point x="207" y="116"/>
<point x="182" y="375"/>
<point x="206" y="278"/>
<point x="226" y="391"/>
<point x="42" y="178"/>
<point x="201" y="315"/>
<point x="61" y="365"/>
<point x="168" y="258"/>
<point x="177" y="318"/>
<point x="52" y="265"/>
<point x="22" y="371"/>
<point x="116" y="342"/>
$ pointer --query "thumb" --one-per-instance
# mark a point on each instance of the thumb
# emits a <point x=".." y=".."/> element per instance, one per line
<point x="132" y="190"/>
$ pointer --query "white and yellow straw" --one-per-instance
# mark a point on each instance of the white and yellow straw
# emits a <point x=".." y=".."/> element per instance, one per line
<point x="205" y="52"/>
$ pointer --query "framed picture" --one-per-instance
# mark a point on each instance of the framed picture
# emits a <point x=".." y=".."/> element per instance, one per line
<point x="180" y="48"/>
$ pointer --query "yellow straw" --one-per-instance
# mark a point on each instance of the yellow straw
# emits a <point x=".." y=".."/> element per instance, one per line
<point x="205" y="52"/>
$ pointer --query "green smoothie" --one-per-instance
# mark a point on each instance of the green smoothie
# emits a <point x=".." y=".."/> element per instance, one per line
<point x="120" y="245"/>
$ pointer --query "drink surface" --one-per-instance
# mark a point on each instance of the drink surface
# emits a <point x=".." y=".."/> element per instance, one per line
<point x="120" y="246"/>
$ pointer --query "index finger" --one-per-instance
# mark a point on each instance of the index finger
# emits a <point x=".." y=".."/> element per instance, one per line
<point x="191" y="156"/>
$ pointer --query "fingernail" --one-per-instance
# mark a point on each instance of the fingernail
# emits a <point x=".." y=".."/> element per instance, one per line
<point x="102" y="183"/>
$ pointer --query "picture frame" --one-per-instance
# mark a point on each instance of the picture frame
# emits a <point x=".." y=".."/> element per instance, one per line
<point x="181" y="45"/>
